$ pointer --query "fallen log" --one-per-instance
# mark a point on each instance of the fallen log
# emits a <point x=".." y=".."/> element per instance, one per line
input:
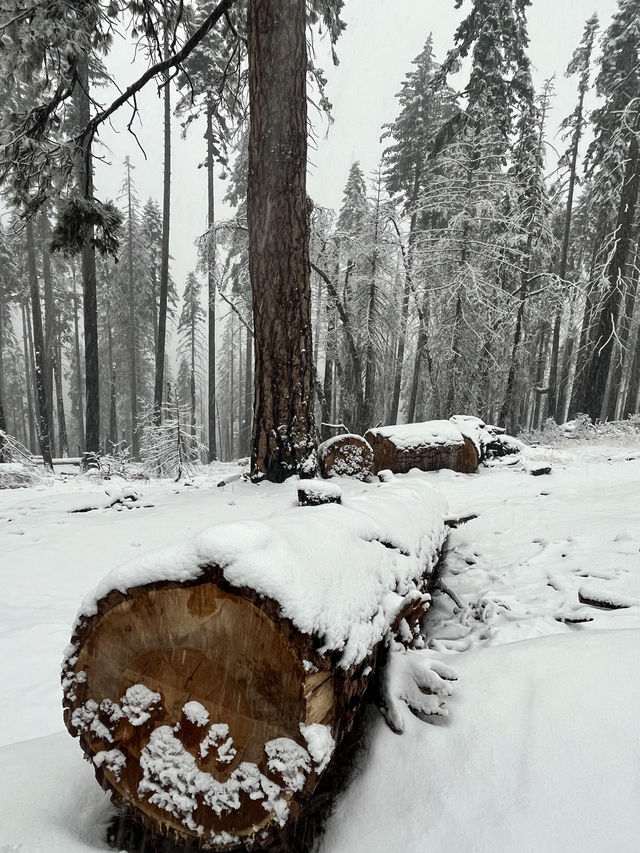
<point x="209" y="685"/>
<point x="427" y="446"/>
<point x="346" y="455"/>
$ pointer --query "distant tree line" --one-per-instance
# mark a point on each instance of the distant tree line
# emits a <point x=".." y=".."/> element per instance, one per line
<point x="468" y="273"/>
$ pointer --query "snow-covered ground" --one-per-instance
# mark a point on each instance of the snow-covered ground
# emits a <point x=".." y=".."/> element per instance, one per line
<point x="541" y="750"/>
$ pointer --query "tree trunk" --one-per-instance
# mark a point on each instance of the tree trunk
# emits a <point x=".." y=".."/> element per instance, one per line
<point x="406" y="296"/>
<point x="89" y="295"/>
<point x="248" y="387"/>
<point x="164" y="260"/>
<point x="601" y="355"/>
<point x="39" y="349"/>
<point x="57" y="373"/>
<point x="49" y="323"/>
<point x="422" y="351"/>
<point x="3" y="417"/>
<point x="133" y="356"/>
<point x="616" y="378"/>
<point x="76" y="338"/>
<point x="28" y="380"/>
<point x="283" y="437"/>
<point x="211" y="284"/>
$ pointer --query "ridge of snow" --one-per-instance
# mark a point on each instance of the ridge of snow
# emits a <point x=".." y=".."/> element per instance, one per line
<point x="339" y="573"/>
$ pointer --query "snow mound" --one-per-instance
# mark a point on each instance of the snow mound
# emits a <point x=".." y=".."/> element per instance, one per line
<point x="339" y="572"/>
<point x="425" y="434"/>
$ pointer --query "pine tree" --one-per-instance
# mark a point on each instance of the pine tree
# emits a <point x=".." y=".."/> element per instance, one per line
<point x="190" y="332"/>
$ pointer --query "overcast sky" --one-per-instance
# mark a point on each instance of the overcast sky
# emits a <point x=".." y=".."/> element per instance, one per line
<point x="376" y="50"/>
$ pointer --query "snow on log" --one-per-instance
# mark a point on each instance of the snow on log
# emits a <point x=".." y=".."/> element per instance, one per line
<point x="210" y="685"/>
<point x="427" y="446"/>
<point x="316" y="492"/>
<point x="346" y="455"/>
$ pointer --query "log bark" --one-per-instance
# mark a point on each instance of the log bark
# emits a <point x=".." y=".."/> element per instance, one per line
<point x="456" y="453"/>
<point x="283" y="435"/>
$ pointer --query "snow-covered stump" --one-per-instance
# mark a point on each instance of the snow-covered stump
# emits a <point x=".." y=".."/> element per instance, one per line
<point x="427" y="446"/>
<point x="211" y="685"/>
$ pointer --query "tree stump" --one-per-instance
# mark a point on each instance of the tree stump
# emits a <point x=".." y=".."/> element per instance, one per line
<point x="210" y="710"/>
<point x="427" y="446"/>
<point x="346" y="455"/>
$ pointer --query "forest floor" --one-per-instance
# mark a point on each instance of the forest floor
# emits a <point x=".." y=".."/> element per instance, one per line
<point x="541" y="749"/>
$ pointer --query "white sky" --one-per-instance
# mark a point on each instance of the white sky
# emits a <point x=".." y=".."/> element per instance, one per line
<point x="376" y="50"/>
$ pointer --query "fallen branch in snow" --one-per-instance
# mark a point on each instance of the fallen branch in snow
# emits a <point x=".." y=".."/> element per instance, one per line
<point x="413" y="679"/>
<point x="210" y="686"/>
<point x="455" y="521"/>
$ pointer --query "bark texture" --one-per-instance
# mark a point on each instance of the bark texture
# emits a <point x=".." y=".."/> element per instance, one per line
<point x="283" y="435"/>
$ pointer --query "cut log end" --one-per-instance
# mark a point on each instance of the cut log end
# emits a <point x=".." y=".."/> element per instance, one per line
<point x="346" y="456"/>
<point x="199" y="713"/>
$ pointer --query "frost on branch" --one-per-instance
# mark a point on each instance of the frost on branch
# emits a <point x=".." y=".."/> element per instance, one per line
<point x="414" y="680"/>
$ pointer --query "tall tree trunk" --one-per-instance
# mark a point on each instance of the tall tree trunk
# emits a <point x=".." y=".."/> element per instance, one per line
<point x="90" y="299"/>
<point x="329" y="361"/>
<point x="283" y="437"/>
<point x="508" y="408"/>
<point x="211" y="285"/>
<point x="370" y="352"/>
<point x="133" y="356"/>
<point x="57" y="373"/>
<point x="76" y="337"/>
<point x="578" y="403"/>
<point x="164" y="260"/>
<point x="248" y="396"/>
<point x="240" y="392"/>
<point x="192" y="378"/>
<point x="422" y="351"/>
<point x="39" y="349"/>
<point x="601" y="355"/>
<point x="406" y="296"/>
<point x="28" y="379"/>
<point x="616" y="383"/>
<point x="49" y="321"/>
<point x="3" y="417"/>
<point x="113" y="419"/>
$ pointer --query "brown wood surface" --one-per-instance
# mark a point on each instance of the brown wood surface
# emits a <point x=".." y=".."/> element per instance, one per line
<point x="461" y="456"/>
<point x="230" y="651"/>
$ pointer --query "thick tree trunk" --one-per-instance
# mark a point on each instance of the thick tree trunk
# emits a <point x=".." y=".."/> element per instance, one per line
<point x="283" y="436"/>
<point x="164" y="259"/>
<point x="600" y="362"/>
<point x="89" y="295"/>
<point x="211" y="290"/>
<point x="39" y="349"/>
